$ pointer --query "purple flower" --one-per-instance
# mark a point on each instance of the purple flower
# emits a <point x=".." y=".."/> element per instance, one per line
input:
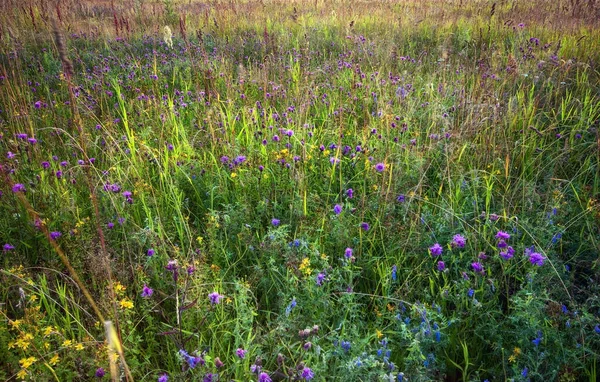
<point x="100" y="372"/>
<point x="163" y="378"/>
<point x="215" y="298"/>
<point x="379" y="167"/>
<point x="18" y="187"/>
<point x="307" y="374"/>
<point x="350" y="193"/>
<point x="147" y="291"/>
<point x="10" y="155"/>
<point x="436" y="250"/>
<point x="241" y="353"/>
<point x="536" y="259"/>
<point x="501" y="235"/>
<point x="55" y="235"/>
<point x="38" y="104"/>
<point x="150" y="252"/>
<point x="477" y="267"/>
<point x="218" y="363"/>
<point x="7" y="247"/>
<point x="320" y="278"/>
<point x="401" y="198"/>
<point x="348" y="253"/>
<point x="458" y="241"/>
<point x="275" y="222"/>
<point x="110" y="225"/>
<point x="337" y="209"/>
<point x="264" y="377"/>
<point x="508" y="254"/>
<point x="45" y="165"/>
<point x="365" y="226"/>
<point x="441" y="266"/>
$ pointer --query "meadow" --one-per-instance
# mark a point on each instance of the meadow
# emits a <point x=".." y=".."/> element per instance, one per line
<point x="291" y="191"/>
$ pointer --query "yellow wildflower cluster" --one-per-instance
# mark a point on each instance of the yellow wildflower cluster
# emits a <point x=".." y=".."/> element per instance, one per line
<point x="126" y="303"/>
<point x="514" y="355"/>
<point x="305" y="267"/>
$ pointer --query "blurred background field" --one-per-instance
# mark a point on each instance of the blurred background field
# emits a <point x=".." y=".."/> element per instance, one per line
<point x="284" y="191"/>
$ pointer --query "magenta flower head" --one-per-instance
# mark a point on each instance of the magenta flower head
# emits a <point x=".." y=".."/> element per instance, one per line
<point x="163" y="378"/>
<point x="215" y="298"/>
<point x="458" y="241"/>
<point x="501" y="235"/>
<point x="18" y="187"/>
<point x="365" y="226"/>
<point x="147" y="291"/>
<point x="441" y="266"/>
<point x="508" y="254"/>
<point x="337" y="209"/>
<point x="275" y="222"/>
<point x="150" y="252"/>
<point x="7" y="247"/>
<point x="55" y="235"/>
<point x="536" y="259"/>
<point x="350" y="193"/>
<point x="241" y="353"/>
<point x="436" y="250"/>
<point x="100" y="372"/>
<point x="379" y="167"/>
<point x="264" y="377"/>
<point x="477" y="267"/>
<point x="348" y="253"/>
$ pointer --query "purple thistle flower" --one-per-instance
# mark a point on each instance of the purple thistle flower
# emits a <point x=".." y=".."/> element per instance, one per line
<point x="147" y="291"/>
<point x="241" y="353"/>
<point x="275" y="222"/>
<point x="477" y="267"/>
<point x="215" y="298"/>
<point x="337" y="209"/>
<point x="436" y="250"/>
<point x="18" y="187"/>
<point x="307" y="374"/>
<point x="264" y="377"/>
<point x="379" y="167"/>
<point x="536" y="259"/>
<point x="458" y="241"/>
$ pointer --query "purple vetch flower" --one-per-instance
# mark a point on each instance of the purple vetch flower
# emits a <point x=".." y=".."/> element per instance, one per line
<point x="10" y="155"/>
<point x="150" y="252"/>
<point x="320" y="278"/>
<point x="110" y="225"/>
<point x="458" y="241"/>
<point x="337" y="209"/>
<point x="441" y="266"/>
<point x="275" y="222"/>
<point x="264" y="377"/>
<point x="38" y="104"/>
<point x="508" y="254"/>
<point x="379" y="167"/>
<point x="163" y="378"/>
<point x="241" y="353"/>
<point x="147" y="291"/>
<point x="55" y="235"/>
<point x="401" y="198"/>
<point x="536" y="259"/>
<point x="365" y="226"/>
<point x="307" y="374"/>
<point x="436" y="250"/>
<point x="215" y="298"/>
<point x="99" y="373"/>
<point x="7" y="247"/>
<point x="45" y="165"/>
<point x="477" y="267"/>
<point x="501" y="235"/>
<point x="394" y="272"/>
<point x="18" y="187"/>
<point x="350" y="193"/>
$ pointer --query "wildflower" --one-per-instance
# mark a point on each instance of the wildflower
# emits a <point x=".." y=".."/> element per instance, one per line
<point x="99" y="372"/>
<point x="379" y="167"/>
<point x="525" y="372"/>
<point x="307" y="373"/>
<point x="348" y="253"/>
<point x="350" y="193"/>
<point x="320" y="278"/>
<point x="241" y="353"/>
<point x="346" y="346"/>
<point x="291" y="306"/>
<point x="501" y="235"/>
<point x="218" y="363"/>
<point x="18" y="187"/>
<point x="264" y="377"/>
<point x="458" y="241"/>
<point x="394" y="272"/>
<point x="441" y="266"/>
<point x="435" y="250"/>
<point x="508" y="254"/>
<point x="79" y="347"/>
<point x="55" y="235"/>
<point x="7" y="247"/>
<point x="150" y="252"/>
<point x="275" y="222"/>
<point x="401" y="198"/>
<point x="215" y="298"/>
<point x="22" y="374"/>
<point x="147" y="291"/>
<point x="168" y="36"/>
<point x="477" y="267"/>
<point x="54" y="360"/>
<point x="536" y="259"/>
<point x="26" y="362"/>
<point x="471" y="292"/>
<point x="126" y="303"/>
<point x="597" y="329"/>
<point x="364" y="226"/>
<point x="163" y="378"/>
<point x="38" y="104"/>
<point x="337" y="209"/>
<point x="538" y="339"/>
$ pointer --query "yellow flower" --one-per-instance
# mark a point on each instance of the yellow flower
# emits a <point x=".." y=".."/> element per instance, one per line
<point x="67" y="343"/>
<point x="26" y="362"/>
<point x="517" y="351"/>
<point x="48" y="330"/>
<point x="11" y="345"/>
<point x="118" y="287"/>
<point x="323" y="256"/>
<point x="79" y="347"/>
<point x="33" y="298"/>
<point x="54" y="360"/>
<point x="379" y="333"/>
<point x="46" y="345"/>
<point x="233" y="174"/>
<point x="215" y="268"/>
<point x="16" y="323"/>
<point x="126" y="303"/>
<point x="22" y="374"/>
<point x="512" y="358"/>
<point x="305" y="266"/>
